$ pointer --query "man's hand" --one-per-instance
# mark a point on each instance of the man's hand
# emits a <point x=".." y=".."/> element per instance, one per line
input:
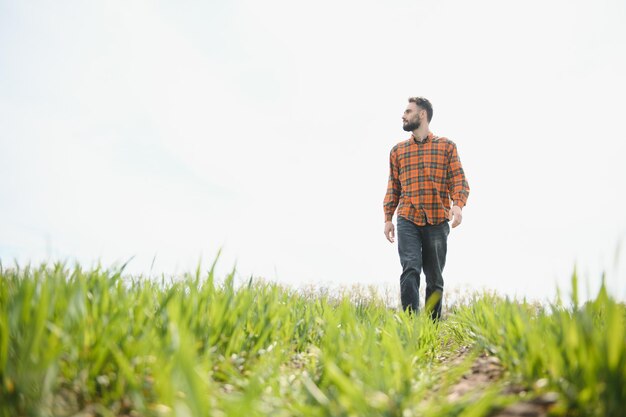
<point x="390" y="232"/>
<point x="455" y="216"/>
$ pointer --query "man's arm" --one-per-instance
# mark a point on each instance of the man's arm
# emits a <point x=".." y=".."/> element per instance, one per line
<point x="458" y="186"/>
<point x="393" y="195"/>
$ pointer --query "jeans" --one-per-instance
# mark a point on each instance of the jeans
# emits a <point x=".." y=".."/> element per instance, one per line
<point x="422" y="247"/>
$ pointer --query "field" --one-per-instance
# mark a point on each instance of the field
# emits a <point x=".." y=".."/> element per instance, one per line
<point x="84" y="343"/>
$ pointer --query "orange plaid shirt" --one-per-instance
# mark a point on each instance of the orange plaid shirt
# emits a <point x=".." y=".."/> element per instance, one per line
<point x="423" y="178"/>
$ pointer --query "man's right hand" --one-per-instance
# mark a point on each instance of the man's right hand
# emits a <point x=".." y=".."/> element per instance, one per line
<point x="390" y="232"/>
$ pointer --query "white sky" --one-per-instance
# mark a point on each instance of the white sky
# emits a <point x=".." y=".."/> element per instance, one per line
<point x="132" y="128"/>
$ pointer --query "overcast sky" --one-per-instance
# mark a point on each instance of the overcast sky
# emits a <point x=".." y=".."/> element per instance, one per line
<point x="169" y="130"/>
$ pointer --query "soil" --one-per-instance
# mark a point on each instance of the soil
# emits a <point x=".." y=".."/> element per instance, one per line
<point x="488" y="369"/>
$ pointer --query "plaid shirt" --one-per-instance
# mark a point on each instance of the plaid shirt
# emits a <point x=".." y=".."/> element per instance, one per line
<point x="423" y="177"/>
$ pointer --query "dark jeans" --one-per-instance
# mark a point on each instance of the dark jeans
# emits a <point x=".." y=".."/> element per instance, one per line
<point x="422" y="247"/>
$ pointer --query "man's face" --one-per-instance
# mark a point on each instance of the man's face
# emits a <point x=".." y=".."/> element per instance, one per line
<point x="412" y="117"/>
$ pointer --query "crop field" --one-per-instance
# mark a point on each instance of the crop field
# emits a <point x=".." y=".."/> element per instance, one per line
<point x="77" y="342"/>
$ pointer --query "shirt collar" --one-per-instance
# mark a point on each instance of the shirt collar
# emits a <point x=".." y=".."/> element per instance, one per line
<point x="427" y="139"/>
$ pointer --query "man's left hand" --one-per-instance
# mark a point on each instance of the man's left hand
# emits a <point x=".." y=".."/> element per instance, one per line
<point x="455" y="216"/>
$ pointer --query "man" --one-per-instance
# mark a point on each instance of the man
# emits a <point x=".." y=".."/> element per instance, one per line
<point x="425" y="174"/>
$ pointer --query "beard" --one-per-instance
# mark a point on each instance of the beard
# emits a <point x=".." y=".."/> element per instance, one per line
<point x="411" y="126"/>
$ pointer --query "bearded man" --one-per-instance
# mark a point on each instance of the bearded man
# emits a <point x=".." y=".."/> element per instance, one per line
<point x="425" y="176"/>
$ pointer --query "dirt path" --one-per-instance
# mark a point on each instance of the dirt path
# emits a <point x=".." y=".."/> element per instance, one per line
<point x="485" y="371"/>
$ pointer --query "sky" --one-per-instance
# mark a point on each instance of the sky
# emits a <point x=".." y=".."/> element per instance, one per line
<point x="166" y="132"/>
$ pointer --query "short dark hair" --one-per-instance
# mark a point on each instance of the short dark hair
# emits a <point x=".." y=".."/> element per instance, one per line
<point x="424" y="104"/>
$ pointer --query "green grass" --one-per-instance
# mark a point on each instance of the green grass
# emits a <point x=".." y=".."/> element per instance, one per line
<point x="93" y="341"/>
